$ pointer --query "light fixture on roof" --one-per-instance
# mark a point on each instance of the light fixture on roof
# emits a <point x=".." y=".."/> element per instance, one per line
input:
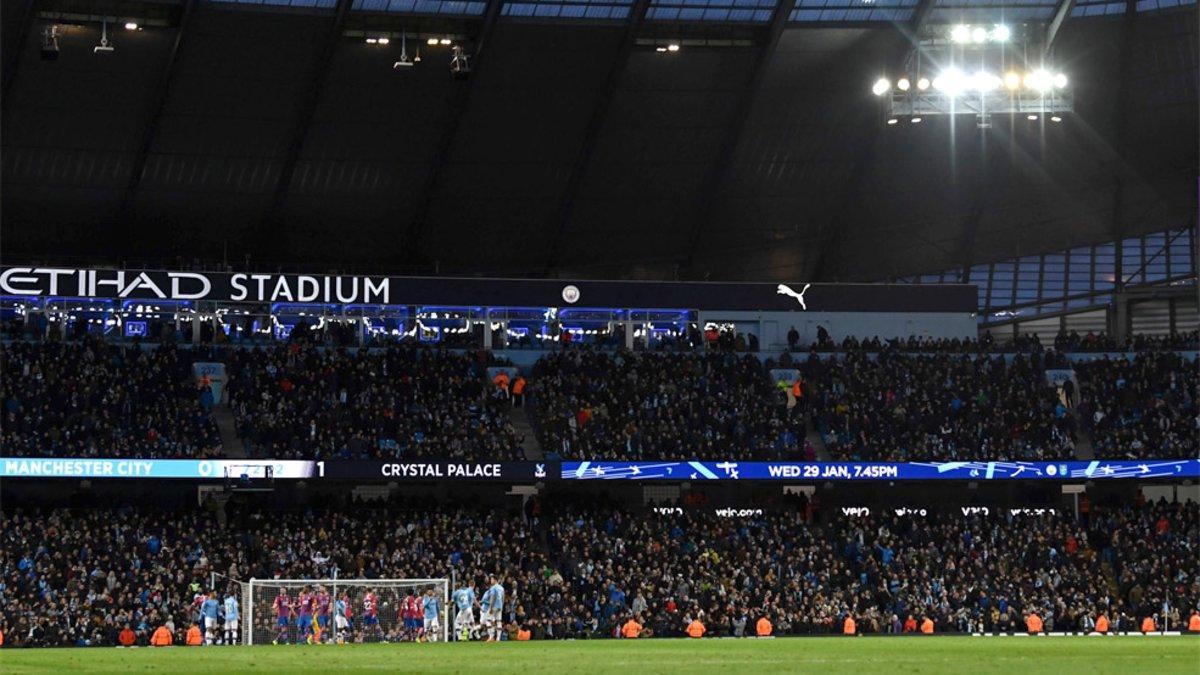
<point x="103" y="47"/>
<point x="915" y="120"/>
<point x="923" y="83"/>
<point x="444" y="41"/>
<point x="131" y="25"/>
<point x="881" y="86"/>
<point x="1039" y="80"/>
<point x="431" y="41"/>
<point x="1060" y="81"/>
<point x="892" y="120"/>
<point x="384" y="40"/>
<point x="673" y="47"/>
<point x="903" y="84"/>
<point x="960" y="33"/>
<point x="1001" y="33"/>
<point x="660" y="49"/>
<point x="1012" y="80"/>
<point x="403" y="62"/>
<point x="1055" y="119"/>
<point x="1031" y="118"/>
<point x="50" y="43"/>
<point x="372" y="40"/>
<point x="979" y="35"/>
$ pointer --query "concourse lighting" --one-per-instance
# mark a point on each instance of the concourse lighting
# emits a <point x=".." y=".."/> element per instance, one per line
<point x="1055" y="118"/>
<point x="1031" y="118"/>
<point x="372" y="41"/>
<point x="444" y="41"/>
<point x="892" y="120"/>
<point x="915" y="120"/>
<point x="384" y="41"/>
<point x="903" y="84"/>
<point x="431" y="41"/>
<point x="881" y="86"/>
<point x="660" y="49"/>
<point x="1001" y="33"/>
<point x="960" y="33"/>
<point x="131" y="25"/>
<point x="923" y="83"/>
<point x="672" y="47"/>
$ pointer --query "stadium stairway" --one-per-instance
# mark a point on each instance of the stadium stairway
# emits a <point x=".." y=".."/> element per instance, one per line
<point x="813" y="436"/>
<point x="231" y="446"/>
<point x="529" y="442"/>
<point x="1083" y="440"/>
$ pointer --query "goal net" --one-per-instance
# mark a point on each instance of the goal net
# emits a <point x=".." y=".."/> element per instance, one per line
<point x="345" y="610"/>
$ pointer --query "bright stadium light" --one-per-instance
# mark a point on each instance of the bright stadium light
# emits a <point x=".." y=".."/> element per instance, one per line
<point x="1001" y="33"/>
<point x="1055" y="118"/>
<point x="444" y="41"/>
<point x="431" y="41"/>
<point x="384" y="41"/>
<point x="131" y="25"/>
<point x="881" y="86"/>
<point x="1031" y="118"/>
<point x="960" y="33"/>
<point x="951" y="82"/>
<point x="979" y="34"/>
<point x="672" y="47"/>
<point x="903" y="84"/>
<point x="1012" y="80"/>
<point x="1039" y="80"/>
<point x="892" y="120"/>
<point x="915" y="120"/>
<point x="984" y="82"/>
<point x="923" y="83"/>
<point x="1060" y="81"/>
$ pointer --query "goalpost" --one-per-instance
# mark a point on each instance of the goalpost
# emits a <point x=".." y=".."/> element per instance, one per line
<point x="261" y="625"/>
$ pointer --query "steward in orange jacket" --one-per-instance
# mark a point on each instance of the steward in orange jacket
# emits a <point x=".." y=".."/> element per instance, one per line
<point x="631" y="629"/>
<point x="1193" y="622"/>
<point x="161" y="638"/>
<point x="848" y="626"/>
<point x="194" y="639"/>
<point x="763" y="628"/>
<point x="695" y="629"/>
<point x="1102" y="624"/>
<point x="1033" y="623"/>
<point x="1148" y="625"/>
<point x="927" y="626"/>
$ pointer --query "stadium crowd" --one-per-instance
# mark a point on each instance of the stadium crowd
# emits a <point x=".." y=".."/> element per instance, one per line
<point x="97" y="399"/>
<point x="899" y="400"/>
<point x="895" y="407"/>
<point x="80" y="577"/>
<point x="1142" y="407"/>
<point x="635" y="406"/>
<point x="295" y="401"/>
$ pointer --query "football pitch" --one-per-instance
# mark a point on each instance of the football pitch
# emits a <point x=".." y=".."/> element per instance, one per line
<point x="1022" y="655"/>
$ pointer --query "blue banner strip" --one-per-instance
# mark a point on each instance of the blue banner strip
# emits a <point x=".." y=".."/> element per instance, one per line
<point x="865" y="471"/>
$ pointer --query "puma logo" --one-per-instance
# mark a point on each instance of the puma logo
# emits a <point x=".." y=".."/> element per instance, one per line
<point x="784" y="289"/>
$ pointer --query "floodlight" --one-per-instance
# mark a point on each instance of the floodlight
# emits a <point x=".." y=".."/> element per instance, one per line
<point x="1055" y="118"/>
<point x="1031" y="118"/>
<point x="1039" y="80"/>
<point x="951" y="82"/>
<point x="131" y="25"/>
<point x="672" y="47"/>
<point x="881" y="86"/>
<point x="915" y="120"/>
<point x="1060" y="80"/>
<point x="372" y="41"/>
<point x="431" y="41"/>
<point x="1001" y="33"/>
<point x="923" y="83"/>
<point x="384" y="41"/>
<point x="984" y="82"/>
<point x="979" y="34"/>
<point x="892" y="120"/>
<point x="1012" y="80"/>
<point x="960" y="33"/>
<point x="660" y="49"/>
<point x="903" y="84"/>
<point x="444" y="41"/>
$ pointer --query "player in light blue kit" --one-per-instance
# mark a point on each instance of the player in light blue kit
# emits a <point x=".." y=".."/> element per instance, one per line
<point x="490" y="609"/>
<point x="464" y="619"/>
<point x="231" y="619"/>
<point x="432" y="607"/>
<point x="209" y="610"/>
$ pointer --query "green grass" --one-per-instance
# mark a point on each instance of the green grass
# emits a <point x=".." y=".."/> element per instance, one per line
<point x="1021" y="655"/>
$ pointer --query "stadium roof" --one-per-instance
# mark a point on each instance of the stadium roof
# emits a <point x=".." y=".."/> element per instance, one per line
<point x="226" y="128"/>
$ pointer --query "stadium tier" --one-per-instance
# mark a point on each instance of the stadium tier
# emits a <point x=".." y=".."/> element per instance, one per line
<point x="81" y="576"/>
